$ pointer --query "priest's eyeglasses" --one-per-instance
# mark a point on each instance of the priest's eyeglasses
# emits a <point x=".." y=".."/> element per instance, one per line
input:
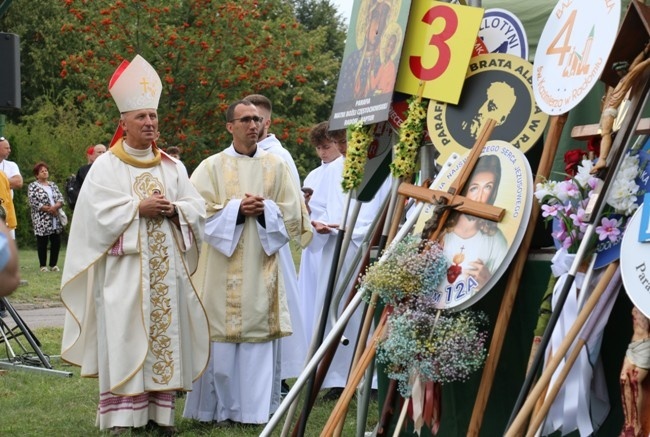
<point x="248" y="119"/>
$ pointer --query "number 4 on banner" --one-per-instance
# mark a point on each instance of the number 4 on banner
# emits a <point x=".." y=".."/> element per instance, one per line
<point x="437" y="49"/>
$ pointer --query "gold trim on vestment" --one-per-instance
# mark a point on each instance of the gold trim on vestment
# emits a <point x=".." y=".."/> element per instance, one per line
<point x="160" y="312"/>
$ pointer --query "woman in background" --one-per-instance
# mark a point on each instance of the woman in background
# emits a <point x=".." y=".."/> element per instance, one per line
<point x="45" y="201"/>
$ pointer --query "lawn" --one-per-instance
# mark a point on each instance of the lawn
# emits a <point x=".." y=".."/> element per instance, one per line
<point x="38" y="403"/>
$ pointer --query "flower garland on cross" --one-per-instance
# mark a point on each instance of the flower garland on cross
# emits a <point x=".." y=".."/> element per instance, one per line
<point x="423" y="346"/>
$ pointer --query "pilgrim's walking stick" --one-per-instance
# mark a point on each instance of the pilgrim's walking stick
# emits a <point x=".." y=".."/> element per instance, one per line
<point x="514" y="279"/>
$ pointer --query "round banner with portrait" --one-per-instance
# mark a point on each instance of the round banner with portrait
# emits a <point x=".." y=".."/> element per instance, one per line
<point x="478" y="251"/>
<point x="497" y="86"/>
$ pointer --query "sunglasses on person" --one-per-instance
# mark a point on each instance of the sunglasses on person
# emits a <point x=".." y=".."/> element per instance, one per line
<point x="248" y="119"/>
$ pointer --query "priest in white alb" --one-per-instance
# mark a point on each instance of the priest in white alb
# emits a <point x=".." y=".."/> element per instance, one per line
<point x="254" y="208"/>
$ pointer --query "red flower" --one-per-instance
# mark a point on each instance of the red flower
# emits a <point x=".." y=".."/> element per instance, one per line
<point x="593" y="145"/>
<point x="572" y="159"/>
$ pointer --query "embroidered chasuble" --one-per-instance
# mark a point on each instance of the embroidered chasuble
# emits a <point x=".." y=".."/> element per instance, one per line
<point x="131" y="309"/>
<point x="238" y="276"/>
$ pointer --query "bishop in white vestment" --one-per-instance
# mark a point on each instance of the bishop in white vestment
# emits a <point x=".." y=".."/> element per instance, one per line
<point x="133" y="318"/>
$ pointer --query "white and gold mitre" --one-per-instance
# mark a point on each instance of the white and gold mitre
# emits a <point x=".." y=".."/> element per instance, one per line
<point x="135" y="85"/>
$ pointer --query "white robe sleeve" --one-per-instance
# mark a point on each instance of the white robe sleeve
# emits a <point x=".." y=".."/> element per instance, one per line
<point x="274" y="235"/>
<point x="222" y="231"/>
<point x="130" y="239"/>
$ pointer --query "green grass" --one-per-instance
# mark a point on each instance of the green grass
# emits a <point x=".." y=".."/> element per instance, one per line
<point x="46" y="404"/>
<point x="42" y="288"/>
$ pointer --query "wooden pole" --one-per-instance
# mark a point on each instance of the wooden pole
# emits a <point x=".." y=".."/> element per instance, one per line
<point x="519" y="423"/>
<point x="514" y="278"/>
<point x="341" y="406"/>
<point x="607" y="299"/>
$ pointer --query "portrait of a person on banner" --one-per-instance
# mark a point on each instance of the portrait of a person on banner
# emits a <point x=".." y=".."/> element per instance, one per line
<point x="370" y="61"/>
<point x="474" y="247"/>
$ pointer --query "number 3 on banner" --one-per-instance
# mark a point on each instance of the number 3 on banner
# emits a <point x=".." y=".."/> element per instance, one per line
<point x="437" y="48"/>
<point x="439" y="41"/>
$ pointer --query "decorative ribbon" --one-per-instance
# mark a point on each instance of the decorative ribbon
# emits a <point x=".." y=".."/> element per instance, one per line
<point x="582" y="403"/>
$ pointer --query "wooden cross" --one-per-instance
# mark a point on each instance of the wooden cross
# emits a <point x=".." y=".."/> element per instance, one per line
<point x="632" y="40"/>
<point x="455" y="201"/>
<point x="452" y="198"/>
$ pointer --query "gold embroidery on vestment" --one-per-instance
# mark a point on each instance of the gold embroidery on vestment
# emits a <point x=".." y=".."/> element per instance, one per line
<point x="161" y="315"/>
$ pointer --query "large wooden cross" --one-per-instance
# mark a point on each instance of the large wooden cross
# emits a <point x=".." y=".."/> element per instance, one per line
<point x="452" y="198"/>
<point x="454" y="201"/>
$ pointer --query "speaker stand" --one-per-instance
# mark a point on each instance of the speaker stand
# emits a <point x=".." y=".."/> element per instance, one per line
<point x="22" y="330"/>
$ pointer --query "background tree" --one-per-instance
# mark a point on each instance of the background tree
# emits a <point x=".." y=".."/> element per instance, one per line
<point x="207" y="52"/>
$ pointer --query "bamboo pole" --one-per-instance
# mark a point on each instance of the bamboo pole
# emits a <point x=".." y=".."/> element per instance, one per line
<point x="514" y="278"/>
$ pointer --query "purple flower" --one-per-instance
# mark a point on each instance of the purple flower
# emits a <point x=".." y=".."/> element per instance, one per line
<point x="608" y="229"/>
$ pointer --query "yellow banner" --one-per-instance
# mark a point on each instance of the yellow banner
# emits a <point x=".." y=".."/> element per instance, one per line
<point x="437" y="49"/>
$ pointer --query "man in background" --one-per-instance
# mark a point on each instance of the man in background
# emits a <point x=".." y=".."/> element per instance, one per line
<point x="74" y="182"/>
<point x="12" y="172"/>
<point x="294" y="347"/>
<point x="95" y="152"/>
<point x="174" y="152"/>
<point x="10" y="169"/>
<point x="268" y="141"/>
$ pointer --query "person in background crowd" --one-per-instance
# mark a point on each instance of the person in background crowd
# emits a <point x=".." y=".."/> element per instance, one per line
<point x="268" y="141"/>
<point x="293" y="347"/>
<point x="95" y="152"/>
<point x="340" y="136"/>
<point x="310" y="261"/>
<point x="11" y="170"/>
<point x="133" y="318"/>
<point x="7" y="203"/>
<point x="254" y="208"/>
<point x="45" y="201"/>
<point x="174" y="152"/>
<point x="327" y="225"/>
<point x="92" y="153"/>
<point x="9" y="273"/>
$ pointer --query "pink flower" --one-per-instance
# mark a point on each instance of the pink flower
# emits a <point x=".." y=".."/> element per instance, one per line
<point x="551" y="210"/>
<point x="608" y="229"/>
<point x="578" y="219"/>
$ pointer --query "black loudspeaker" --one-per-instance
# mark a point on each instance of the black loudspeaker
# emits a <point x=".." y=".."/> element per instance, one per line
<point x="9" y="71"/>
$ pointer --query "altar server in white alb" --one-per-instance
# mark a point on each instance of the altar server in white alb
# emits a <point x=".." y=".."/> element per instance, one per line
<point x="254" y="208"/>
<point x="133" y="318"/>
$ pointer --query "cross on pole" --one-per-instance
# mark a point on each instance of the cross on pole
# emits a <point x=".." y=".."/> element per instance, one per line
<point x="452" y="198"/>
